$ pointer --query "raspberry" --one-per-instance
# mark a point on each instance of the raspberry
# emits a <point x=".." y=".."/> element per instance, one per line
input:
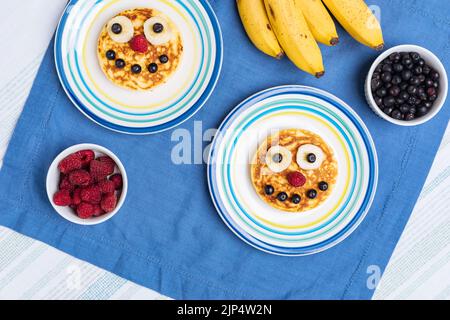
<point x="70" y="163"/>
<point x="80" y="178"/>
<point x="100" y="169"/>
<point x="85" y="210"/>
<point x="107" y="186"/>
<point x="86" y="157"/>
<point x="296" y="179"/>
<point x="117" y="179"/>
<point x="62" y="198"/>
<point x="76" y="197"/>
<point x="109" y="202"/>
<point x="98" y="211"/>
<point x="139" y="44"/>
<point x="108" y="160"/>
<point x="65" y="184"/>
<point x="91" y="194"/>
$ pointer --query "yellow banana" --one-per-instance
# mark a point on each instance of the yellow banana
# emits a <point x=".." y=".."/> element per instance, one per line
<point x="256" y="24"/>
<point x="319" y="21"/>
<point x="294" y="35"/>
<point x="356" y="17"/>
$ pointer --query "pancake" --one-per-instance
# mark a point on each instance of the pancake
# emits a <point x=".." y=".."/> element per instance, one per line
<point x="145" y="80"/>
<point x="262" y="174"/>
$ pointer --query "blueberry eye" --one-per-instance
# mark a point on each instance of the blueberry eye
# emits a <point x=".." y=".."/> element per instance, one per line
<point x="116" y="28"/>
<point x="163" y="59"/>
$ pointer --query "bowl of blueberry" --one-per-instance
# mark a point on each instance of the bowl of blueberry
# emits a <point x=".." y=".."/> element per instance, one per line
<point x="406" y="85"/>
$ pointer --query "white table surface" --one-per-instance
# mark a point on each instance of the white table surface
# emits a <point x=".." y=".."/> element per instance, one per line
<point x="29" y="269"/>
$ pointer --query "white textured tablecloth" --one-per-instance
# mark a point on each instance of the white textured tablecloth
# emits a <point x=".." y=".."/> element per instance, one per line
<point x="29" y="269"/>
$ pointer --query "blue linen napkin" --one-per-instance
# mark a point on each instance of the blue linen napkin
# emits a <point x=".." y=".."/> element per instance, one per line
<point x="168" y="236"/>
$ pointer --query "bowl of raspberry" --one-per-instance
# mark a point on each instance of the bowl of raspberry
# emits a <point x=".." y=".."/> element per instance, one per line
<point x="407" y="85"/>
<point x="87" y="184"/>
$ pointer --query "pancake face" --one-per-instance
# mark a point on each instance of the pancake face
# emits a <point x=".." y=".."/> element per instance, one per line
<point x="155" y="65"/>
<point x="297" y="163"/>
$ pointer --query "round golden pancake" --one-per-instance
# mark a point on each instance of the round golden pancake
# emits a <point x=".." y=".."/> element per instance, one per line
<point x="145" y="80"/>
<point x="262" y="175"/>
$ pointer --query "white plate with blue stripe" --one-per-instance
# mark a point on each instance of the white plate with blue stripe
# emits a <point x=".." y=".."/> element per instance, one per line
<point x="265" y="227"/>
<point x="133" y="112"/>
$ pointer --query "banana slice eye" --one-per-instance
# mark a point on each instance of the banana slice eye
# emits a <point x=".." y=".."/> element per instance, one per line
<point x="157" y="31"/>
<point x="310" y="157"/>
<point x="278" y="158"/>
<point x="120" y="29"/>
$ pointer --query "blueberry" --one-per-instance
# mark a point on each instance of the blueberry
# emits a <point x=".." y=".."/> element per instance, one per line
<point x="386" y="77"/>
<point x="403" y="86"/>
<point x="399" y="101"/>
<point x="282" y="196"/>
<point x="412" y="110"/>
<point x="311" y="158"/>
<point x="388" y="110"/>
<point x="387" y="85"/>
<point x="110" y="55"/>
<point x="404" y="108"/>
<point x="404" y="95"/>
<point x="428" y="104"/>
<point x="387" y="68"/>
<point x="389" y="101"/>
<point x="434" y="75"/>
<point x="394" y="91"/>
<point x="152" y="67"/>
<point x="421" y="78"/>
<point x="394" y="56"/>
<point x="268" y="189"/>
<point x="163" y="58"/>
<point x="120" y="63"/>
<point x="418" y="70"/>
<point x="323" y="186"/>
<point x="406" y="75"/>
<point x="412" y="101"/>
<point x="397" y="67"/>
<point x="378" y="100"/>
<point x="277" y="158"/>
<point x="376" y="75"/>
<point x="296" y="199"/>
<point x="410" y="116"/>
<point x="412" y="89"/>
<point x="422" y="96"/>
<point x="422" y="111"/>
<point x="415" y="56"/>
<point x="312" y="194"/>
<point x="431" y="91"/>
<point x="421" y="62"/>
<point x="382" y="92"/>
<point x="414" y="81"/>
<point x="158" y="28"/>
<point x="406" y="61"/>
<point x="426" y="70"/>
<point x="396" y="114"/>
<point x="375" y="84"/>
<point x="432" y="98"/>
<point x="436" y="84"/>
<point x="116" y="28"/>
<point x="135" y="68"/>
<point x="429" y="83"/>
<point x="396" y="80"/>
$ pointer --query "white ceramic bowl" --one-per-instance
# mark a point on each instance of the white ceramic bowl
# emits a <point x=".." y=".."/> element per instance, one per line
<point x="433" y="62"/>
<point x="53" y="182"/>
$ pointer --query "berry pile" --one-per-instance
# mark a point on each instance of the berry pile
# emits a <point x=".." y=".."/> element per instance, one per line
<point x="88" y="184"/>
<point x="404" y="86"/>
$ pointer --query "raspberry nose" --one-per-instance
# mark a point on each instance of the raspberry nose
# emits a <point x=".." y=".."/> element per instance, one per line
<point x="139" y="44"/>
<point x="296" y="179"/>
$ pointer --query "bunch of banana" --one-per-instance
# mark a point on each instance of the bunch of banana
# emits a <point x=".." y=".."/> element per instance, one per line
<point x="293" y="27"/>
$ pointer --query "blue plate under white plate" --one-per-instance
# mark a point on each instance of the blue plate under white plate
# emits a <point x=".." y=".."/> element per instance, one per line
<point x="268" y="228"/>
<point x="128" y="111"/>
